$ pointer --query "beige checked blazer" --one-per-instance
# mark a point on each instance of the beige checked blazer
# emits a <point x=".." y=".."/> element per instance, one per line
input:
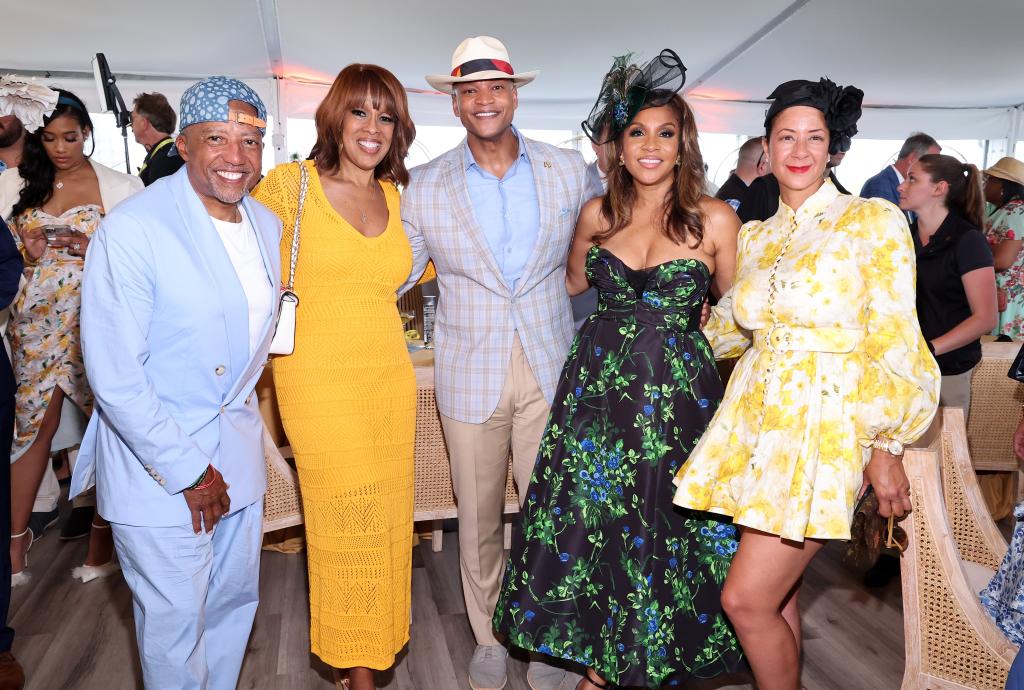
<point x="477" y="314"/>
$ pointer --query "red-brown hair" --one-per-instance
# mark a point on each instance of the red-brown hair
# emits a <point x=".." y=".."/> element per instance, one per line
<point x="353" y="85"/>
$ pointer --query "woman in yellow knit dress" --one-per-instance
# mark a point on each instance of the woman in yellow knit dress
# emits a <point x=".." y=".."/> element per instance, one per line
<point x="835" y="377"/>
<point x="347" y="395"/>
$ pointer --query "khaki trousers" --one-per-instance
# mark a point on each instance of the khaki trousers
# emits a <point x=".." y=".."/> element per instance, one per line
<point x="479" y="461"/>
<point x="956" y="391"/>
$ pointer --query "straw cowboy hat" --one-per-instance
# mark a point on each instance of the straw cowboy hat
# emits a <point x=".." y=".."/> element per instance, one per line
<point x="1007" y="168"/>
<point x="476" y="59"/>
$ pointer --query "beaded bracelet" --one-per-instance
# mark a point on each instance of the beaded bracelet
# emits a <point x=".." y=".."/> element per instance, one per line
<point x="205" y="480"/>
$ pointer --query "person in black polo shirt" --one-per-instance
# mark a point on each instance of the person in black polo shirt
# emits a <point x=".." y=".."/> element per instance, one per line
<point x="153" y="122"/>
<point x="751" y="163"/>
<point x="956" y="283"/>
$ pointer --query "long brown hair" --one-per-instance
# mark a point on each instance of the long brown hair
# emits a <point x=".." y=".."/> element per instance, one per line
<point x="965" y="195"/>
<point x="351" y="87"/>
<point x="684" y="219"/>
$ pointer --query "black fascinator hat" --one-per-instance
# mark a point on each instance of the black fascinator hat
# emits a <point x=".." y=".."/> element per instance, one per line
<point x="840" y="104"/>
<point x="628" y="88"/>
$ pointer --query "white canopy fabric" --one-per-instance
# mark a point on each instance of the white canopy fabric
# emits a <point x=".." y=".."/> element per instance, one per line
<point x="951" y="67"/>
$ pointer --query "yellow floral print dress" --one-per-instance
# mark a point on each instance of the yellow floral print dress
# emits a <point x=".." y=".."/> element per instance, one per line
<point x="46" y="348"/>
<point x="823" y="310"/>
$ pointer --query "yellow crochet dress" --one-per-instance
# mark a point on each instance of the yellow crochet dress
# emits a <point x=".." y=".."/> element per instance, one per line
<point x="347" y="398"/>
<point x="823" y="310"/>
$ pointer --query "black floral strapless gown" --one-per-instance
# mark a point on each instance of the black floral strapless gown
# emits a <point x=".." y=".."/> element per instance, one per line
<point x="604" y="570"/>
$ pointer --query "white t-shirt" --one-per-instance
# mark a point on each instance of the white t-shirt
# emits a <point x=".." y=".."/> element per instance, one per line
<point x="244" y="251"/>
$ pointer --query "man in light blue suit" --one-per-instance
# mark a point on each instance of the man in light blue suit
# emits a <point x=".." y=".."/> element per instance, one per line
<point x="178" y="311"/>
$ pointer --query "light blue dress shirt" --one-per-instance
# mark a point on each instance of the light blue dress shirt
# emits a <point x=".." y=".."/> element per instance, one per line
<point x="507" y="211"/>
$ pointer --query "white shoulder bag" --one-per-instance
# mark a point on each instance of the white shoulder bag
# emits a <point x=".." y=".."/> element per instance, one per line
<point x="284" y="334"/>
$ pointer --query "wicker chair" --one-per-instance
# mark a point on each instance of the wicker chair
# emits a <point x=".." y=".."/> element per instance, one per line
<point x="951" y="642"/>
<point x="434" y="499"/>
<point x="995" y="412"/>
<point x="976" y="536"/>
<point x="282" y="505"/>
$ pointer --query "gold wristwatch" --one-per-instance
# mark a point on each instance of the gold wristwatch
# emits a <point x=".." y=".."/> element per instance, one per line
<point x="889" y="445"/>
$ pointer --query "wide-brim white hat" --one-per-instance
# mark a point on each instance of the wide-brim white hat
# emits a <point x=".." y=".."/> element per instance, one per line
<point x="478" y="58"/>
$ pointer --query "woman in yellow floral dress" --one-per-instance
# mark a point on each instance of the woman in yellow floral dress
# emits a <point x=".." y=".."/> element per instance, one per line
<point x="835" y="379"/>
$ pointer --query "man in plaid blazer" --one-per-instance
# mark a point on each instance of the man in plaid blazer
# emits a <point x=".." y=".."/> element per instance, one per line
<point x="496" y="214"/>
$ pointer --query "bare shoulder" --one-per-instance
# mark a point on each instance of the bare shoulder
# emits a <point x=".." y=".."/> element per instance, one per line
<point x="591" y="220"/>
<point x="719" y="218"/>
<point x="717" y="211"/>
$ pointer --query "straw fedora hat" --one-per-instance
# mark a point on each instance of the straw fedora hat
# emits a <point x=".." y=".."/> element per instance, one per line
<point x="1007" y="168"/>
<point x="476" y="59"/>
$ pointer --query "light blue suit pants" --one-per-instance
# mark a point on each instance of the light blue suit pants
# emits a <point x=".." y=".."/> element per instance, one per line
<point x="195" y="598"/>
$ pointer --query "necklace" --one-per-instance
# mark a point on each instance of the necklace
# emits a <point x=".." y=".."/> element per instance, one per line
<point x="59" y="185"/>
<point x="362" y="216"/>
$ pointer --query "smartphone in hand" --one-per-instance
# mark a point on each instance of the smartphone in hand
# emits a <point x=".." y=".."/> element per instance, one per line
<point x="58" y="235"/>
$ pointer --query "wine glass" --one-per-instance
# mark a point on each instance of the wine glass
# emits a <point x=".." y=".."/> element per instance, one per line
<point x="407" y="318"/>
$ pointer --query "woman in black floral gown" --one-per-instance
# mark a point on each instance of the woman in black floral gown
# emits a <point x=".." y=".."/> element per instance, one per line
<point x="605" y="571"/>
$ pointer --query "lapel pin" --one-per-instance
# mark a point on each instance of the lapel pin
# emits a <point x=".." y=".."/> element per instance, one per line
<point x="547" y="164"/>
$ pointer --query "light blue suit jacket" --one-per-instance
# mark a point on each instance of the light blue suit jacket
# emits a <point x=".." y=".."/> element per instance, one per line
<point x="165" y="334"/>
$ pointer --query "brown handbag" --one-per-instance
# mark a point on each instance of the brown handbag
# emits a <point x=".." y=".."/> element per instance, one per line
<point x="870" y="533"/>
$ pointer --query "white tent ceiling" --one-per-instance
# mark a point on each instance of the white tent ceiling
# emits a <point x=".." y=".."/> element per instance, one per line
<point x="949" y="66"/>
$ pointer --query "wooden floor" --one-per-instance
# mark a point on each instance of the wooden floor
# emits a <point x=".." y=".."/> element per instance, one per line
<point x="70" y="635"/>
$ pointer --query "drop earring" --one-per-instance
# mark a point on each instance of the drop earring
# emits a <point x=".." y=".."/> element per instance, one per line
<point x="621" y="160"/>
<point x="679" y="160"/>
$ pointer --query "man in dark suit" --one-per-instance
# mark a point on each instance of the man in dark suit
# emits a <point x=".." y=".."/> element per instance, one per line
<point x="883" y="185"/>
<point x="11" y="675"/>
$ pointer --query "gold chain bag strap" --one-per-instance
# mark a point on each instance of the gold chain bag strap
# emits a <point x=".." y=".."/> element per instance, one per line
<point x="284" y="334"/>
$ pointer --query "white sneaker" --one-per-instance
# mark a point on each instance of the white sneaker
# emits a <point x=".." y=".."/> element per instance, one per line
<point x="488" y="669"/>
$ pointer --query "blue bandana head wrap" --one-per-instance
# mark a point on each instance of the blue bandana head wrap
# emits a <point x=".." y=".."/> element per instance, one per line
<point x="207" y="101"/>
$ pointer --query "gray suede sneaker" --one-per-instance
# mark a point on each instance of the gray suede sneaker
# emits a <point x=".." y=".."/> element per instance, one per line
<point x="488" y="668"/>
<point x="543" y="676"/>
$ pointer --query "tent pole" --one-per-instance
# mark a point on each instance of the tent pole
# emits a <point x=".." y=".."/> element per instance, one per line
<point x="280" y="138"/>
<point x="1015" y="130"/>
<point x="272" y="40"/>
<point x="746" y="45"/>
